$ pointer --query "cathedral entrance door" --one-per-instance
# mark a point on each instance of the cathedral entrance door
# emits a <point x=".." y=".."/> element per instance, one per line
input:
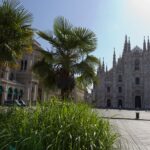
<point x="108" y="103"/>
<point x="119" y="103"/>
<point x="137" y="101"/>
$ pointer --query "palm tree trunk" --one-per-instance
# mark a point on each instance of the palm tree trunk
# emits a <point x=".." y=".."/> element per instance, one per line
<point x="62" y="94"/>
<point x="65" y="94"/>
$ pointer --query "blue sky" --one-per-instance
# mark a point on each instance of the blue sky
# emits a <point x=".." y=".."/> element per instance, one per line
<point x="109" y="19"/>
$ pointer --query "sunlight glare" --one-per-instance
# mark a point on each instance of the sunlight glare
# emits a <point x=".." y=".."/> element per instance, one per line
<point x="141" y="8"/>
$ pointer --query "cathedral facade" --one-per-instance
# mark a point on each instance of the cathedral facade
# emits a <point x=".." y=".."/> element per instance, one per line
<point x="127" y="84"/>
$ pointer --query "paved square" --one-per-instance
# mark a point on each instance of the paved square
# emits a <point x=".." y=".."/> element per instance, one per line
<point x="135" y="134"/>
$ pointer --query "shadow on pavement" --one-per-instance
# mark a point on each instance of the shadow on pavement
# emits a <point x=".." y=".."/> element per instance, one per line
<point x="126" y="118"/>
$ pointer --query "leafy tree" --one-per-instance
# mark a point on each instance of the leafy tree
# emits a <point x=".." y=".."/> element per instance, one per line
<point x="69" y="60"/>
<point x="15" y="31"/>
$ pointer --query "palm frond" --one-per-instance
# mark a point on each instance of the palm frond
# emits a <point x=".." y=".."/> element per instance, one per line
<point x="45" y="73"/>
<point x="49" y="38"/>
<point x="41" y="68"/>
<point x="87" y="39"/>
<point x="15" y="29"/>
<point x="62" y="27"/>
<point x="90" y="59"/>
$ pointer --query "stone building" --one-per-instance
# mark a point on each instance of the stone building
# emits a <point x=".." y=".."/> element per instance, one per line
<point x="127" y="84"/>
<point x="21" y="82"/>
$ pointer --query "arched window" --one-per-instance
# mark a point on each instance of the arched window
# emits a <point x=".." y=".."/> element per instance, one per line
<point x="11" y="76"/>
<point x="1" y="90"/>
<point x="21" y="66"/>
<point x="25" y="65"/>
<point x="137" y="65"/>
<point x="137" y="80"/>
<point x="9" y="94"/>
<point x="1" y="75"/>
<point x="1" y="93"/>
<point x="120" y="89"/>
<point x="108" y="89"/>
<point x="120" y="78"/>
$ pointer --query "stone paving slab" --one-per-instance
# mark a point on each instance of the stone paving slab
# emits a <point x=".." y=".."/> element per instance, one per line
<point x="135" y="134"/>
<point x="124" y="114"/>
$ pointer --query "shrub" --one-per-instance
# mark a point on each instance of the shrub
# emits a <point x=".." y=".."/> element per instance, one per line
<point x="55" y="125"/>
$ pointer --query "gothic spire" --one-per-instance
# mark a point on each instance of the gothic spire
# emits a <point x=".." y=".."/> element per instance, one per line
<point x="114" y="58"/>
<point x="125" y="38"/>
<point x="106" y="68"/>
<point x="144" y="45"/>
<point x="148" y="44"/>
<point x="129" y="45"/>
<point x="103" y="66"/>
<point x="99" y="66"/>
<point x="125" y="44"/>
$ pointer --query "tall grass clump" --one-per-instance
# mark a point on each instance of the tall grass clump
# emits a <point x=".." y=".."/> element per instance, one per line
<point x="55" y="125"/>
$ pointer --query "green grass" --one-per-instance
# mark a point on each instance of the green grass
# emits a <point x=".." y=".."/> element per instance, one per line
<point x="55" y="125"/>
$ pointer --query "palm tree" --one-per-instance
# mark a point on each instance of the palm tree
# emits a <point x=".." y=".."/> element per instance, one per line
<point x="69" y="61"/>
<point x="15" y="31"/>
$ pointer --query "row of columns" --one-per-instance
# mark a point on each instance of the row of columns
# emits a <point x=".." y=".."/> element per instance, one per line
<point x="31" y="93"/>
<point x="5" y="93"/>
